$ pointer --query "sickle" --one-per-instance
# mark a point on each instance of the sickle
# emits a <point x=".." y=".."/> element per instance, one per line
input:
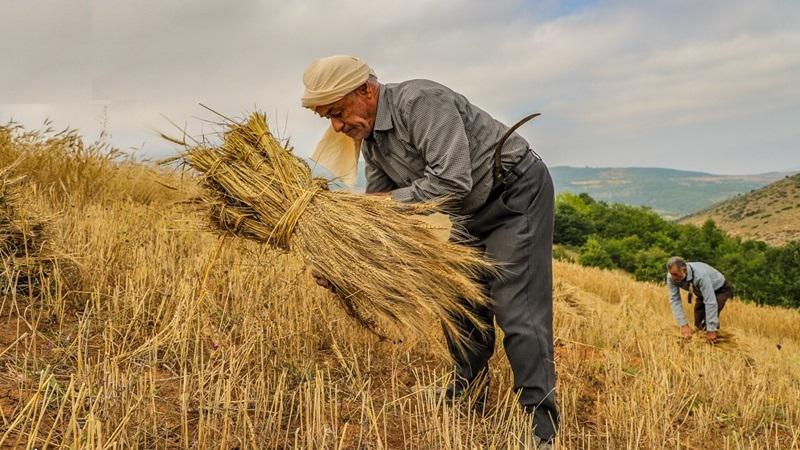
<point x="497" y="173"/>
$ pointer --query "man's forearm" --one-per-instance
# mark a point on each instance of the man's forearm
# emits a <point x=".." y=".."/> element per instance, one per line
<point x="712" y="314"/>
<point x="710" y="303"/>
<point x="677" y="312"/>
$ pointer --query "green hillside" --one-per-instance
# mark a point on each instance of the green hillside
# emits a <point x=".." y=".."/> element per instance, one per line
<point x="770" y="214"/>
<point x="672" y="193"/>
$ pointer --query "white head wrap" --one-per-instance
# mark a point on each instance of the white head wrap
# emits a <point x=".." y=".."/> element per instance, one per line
<point x="329" y="79"/>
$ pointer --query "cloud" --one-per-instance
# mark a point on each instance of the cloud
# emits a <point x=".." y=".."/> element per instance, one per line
<point x="698" y="82"/>
<point x="45" y="51"/>
<point x="619" y="83"/>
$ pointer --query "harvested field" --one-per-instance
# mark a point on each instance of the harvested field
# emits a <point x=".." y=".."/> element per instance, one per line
<point x="170" y="337"/>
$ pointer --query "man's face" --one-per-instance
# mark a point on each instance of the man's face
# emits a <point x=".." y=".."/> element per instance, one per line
<point x="354" y="114"/>
<point x="677" y="273"/>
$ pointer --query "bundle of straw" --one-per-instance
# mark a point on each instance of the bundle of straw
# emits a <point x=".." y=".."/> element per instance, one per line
<point x="386" y="266"/>
<point x="24" y="263"/>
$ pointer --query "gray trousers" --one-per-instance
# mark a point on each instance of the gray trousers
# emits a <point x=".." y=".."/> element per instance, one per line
<point x="516" y="230"/>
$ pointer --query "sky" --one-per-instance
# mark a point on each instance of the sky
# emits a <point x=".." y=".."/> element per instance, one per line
<point x="712" y="86"/>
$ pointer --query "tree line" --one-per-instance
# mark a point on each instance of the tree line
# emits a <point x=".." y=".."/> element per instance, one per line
<point x="639" y="241"/>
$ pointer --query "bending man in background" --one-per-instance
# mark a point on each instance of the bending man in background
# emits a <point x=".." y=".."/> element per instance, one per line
<point x="710" y="288"/>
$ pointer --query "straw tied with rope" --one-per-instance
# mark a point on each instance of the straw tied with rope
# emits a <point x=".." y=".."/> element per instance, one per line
<point x="387" y="267"/>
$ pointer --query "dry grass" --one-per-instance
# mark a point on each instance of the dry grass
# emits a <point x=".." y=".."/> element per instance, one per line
<point x="172" y="340"/>
<point x="66" y="171"/>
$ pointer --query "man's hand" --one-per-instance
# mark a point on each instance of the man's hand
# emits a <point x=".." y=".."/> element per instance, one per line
<point x="322" y="281"/>
<point x="711" y="336"/>
<point x="379" y="194"/>
<point x="686" y="331"/>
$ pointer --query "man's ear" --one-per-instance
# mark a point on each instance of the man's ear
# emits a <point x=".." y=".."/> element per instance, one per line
<point x="369" y="90"/>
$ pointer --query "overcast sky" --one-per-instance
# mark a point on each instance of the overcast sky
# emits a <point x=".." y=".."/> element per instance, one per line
<point x="701" y="85"/>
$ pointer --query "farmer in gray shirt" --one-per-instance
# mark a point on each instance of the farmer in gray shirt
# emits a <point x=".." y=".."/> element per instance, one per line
<point x="423" y="141"/>
<point x="707" y="284"/>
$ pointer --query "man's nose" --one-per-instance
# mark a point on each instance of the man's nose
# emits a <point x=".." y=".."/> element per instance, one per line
<point x="337" y="125"/>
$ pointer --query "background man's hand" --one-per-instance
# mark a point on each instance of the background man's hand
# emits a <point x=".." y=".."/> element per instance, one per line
<point x="686" y="331"/>
<point x="711" y="336"/>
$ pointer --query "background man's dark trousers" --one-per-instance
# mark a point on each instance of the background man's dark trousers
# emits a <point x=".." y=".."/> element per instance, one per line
<point x="723" y="294"/>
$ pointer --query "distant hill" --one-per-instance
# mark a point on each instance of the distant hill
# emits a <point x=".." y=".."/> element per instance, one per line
<point x="770" y="214"/>
<point x="671" y="193"/>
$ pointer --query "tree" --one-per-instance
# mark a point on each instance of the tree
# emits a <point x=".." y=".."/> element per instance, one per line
<point x="594" y="254"/>
<point x="651" y="264"/>
<point x="571" y="226"/>
<point x="622" y="251"/>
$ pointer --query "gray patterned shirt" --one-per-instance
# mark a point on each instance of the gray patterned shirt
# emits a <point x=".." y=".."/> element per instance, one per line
<point x="429" y="141"/>
<point x="706" y="280"/>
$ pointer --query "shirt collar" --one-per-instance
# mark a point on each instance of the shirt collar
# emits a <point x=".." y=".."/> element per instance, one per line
<point x="383" y="118"/>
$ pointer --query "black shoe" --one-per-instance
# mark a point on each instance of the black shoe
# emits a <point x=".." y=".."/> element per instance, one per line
<point x="455" y="390"/>
<point x="546" y="442"/>
<point x="460" y="389"/>
<point x="542" y="445"/>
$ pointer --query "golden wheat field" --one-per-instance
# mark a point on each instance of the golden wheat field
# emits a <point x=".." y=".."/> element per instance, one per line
<point x="141" y="330"/>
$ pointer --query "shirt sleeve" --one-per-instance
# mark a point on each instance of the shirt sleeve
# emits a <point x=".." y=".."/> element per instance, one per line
<point x="437" y="131"/>
<point x="377" y="180"/>
<point x="709" y="301"/>
<point x="675" y="301"/>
